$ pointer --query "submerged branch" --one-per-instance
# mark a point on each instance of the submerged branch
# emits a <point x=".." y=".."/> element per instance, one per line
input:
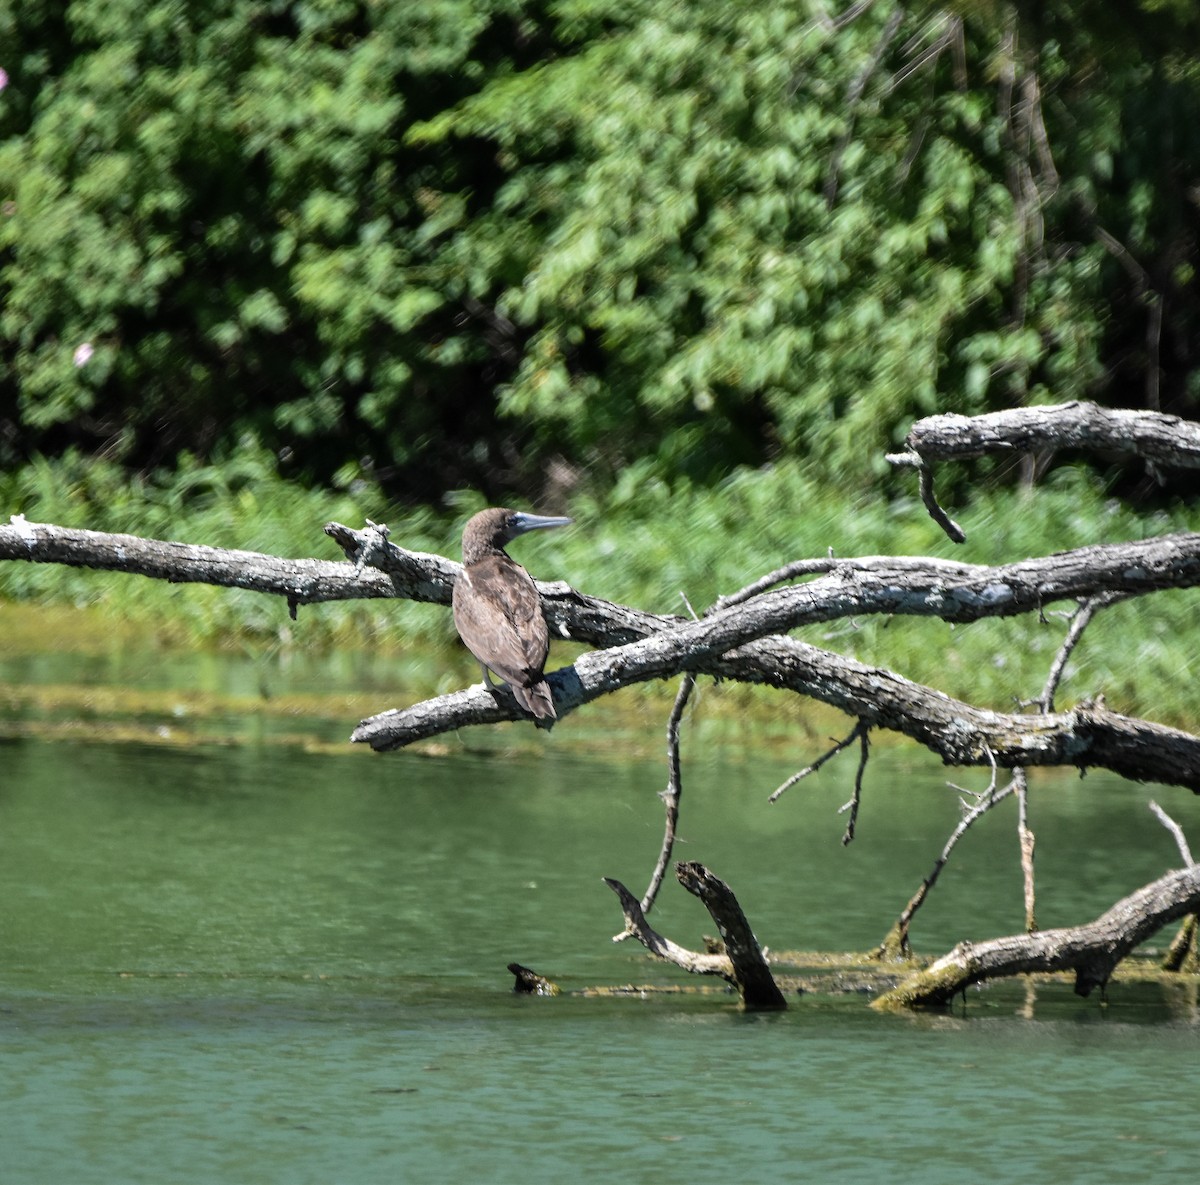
<point x="1092" y="951"/>
<point x="742" y="964"/>
<point x="697" y="962"/>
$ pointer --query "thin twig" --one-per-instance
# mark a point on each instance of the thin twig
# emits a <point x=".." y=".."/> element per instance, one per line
<point x="820" y="761"/>
<point x="864" y="735"/>
<point x="939" y="516"/>
<point x="1027" y="841"/>
<point x="674" y="790"/>
<point x="1080" y="620"/>
<point x="900" y="929"/>
<point x="1180" y="839"/>
<point x="809" y="567"/>
<point x="1182" y="953"/>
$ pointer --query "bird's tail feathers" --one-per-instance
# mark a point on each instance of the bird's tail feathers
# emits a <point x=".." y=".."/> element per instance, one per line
<point x="536" y="700"/>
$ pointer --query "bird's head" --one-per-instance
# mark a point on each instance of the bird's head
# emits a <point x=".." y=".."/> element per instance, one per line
<point x="489" y="530"/>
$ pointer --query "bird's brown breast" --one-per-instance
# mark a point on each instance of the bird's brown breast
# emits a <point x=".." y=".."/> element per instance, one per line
<point x="498" y="614"/>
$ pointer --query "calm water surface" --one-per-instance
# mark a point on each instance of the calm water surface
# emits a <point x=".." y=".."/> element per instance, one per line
<point x="250" y="963"/>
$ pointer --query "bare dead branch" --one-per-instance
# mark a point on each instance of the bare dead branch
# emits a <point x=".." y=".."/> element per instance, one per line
<point x="1184" y="950"/>
<point x="895" y="945"/>
<point x="864" y="735"/>
<point x="1180" y="839"/>
<point x="304" y="581"/>
<point x="734" y="643"/>
<point x="838" y="746"/>
<point x="750" y="971"/>
<point x="742" y="964"/>
<point x="792" y="571"/>
<point x="925" y="483"/>
<point x="697" y="962"/>
<point x="1092" y="951"/>
<point x="1080" y="620"/>
<point x="673" y="792"/>
<point x="1087" y="736"/>
<point x="1027" y="842"/>
<point x="1164" y="440"/>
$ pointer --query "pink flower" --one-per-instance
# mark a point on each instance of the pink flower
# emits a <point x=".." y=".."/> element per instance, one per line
<point x="83" y="352"/>
<point x="3" y="78"/>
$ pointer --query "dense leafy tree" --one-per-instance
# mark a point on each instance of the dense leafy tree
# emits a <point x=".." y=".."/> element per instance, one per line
<point x="450" y="240"/>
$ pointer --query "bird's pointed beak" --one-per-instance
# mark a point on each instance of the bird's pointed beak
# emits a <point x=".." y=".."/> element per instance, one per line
<point x="534" y="522"/>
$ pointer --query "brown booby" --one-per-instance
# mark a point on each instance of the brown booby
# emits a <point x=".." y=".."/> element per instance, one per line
<point x="497" y="609"/>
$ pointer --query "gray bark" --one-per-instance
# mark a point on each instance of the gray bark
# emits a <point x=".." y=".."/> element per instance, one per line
<point x="741" y="641"/>
<point x="1159" y="439"/>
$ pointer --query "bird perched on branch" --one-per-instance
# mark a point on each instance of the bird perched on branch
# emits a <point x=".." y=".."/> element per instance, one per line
<point x="497" y="609"/>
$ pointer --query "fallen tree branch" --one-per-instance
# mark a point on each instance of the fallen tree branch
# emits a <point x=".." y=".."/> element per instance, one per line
<point x="1162" y="441"/>
<point x="894" y="585"/>
<point x="734" y="643"/>
<point x="1185" y="851"/>
<point x="742" y="964"/>
<point x="299" y="581"/>
<point x="1092" y="951"/>
<point x="959" y="733"/>
<point x="697" y="962"/>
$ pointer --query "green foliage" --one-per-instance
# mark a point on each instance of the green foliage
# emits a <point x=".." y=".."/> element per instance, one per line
<point x="450" y="240"/>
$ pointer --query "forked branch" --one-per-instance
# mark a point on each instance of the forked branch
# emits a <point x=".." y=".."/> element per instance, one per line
<point x="742" y="963"/>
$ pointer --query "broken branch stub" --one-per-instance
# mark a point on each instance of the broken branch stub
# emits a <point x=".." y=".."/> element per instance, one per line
<point x="750" y="971"/>
<point x="742" y="964"/>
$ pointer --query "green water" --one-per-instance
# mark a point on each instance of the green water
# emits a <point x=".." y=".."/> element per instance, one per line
<point x="254" y="964"/>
